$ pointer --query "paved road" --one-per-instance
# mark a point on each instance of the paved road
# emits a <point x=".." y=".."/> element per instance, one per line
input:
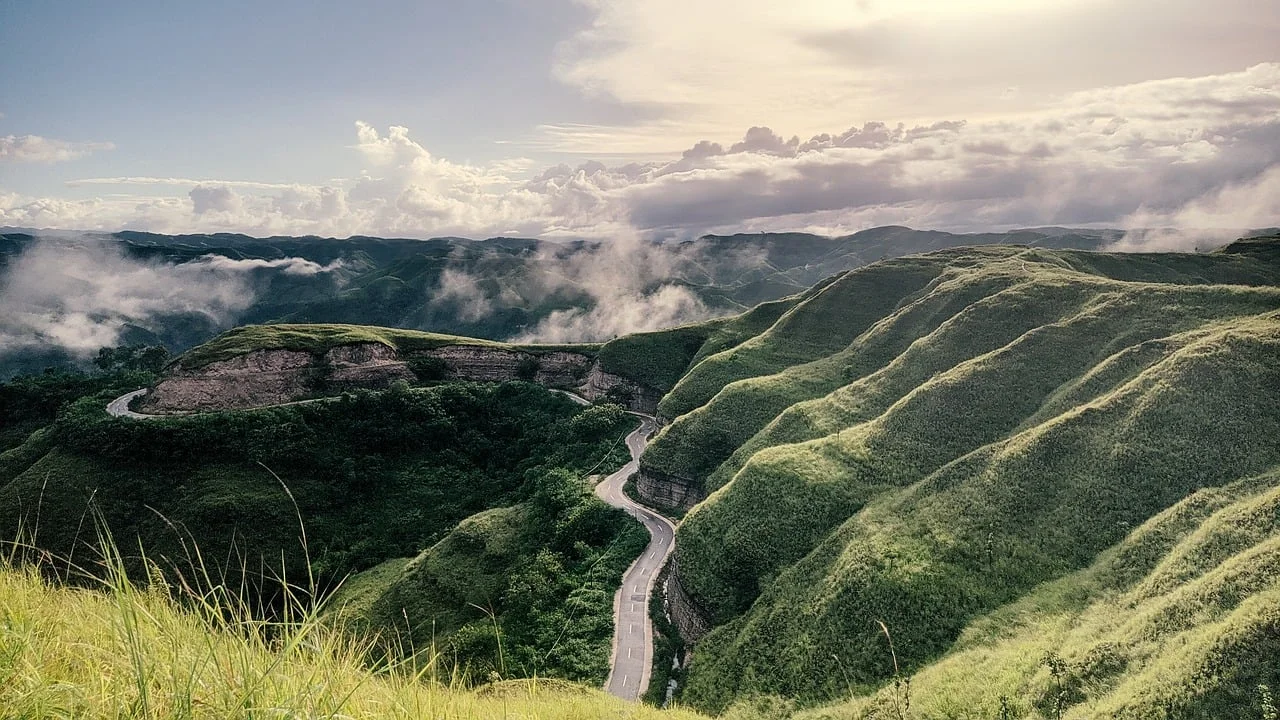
<point x="120" y="406"/>
<point x="632" y="629"/>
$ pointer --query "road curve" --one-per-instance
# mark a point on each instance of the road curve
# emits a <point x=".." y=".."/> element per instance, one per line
<point x="120" y="406"/>
<point x="632" y="658"/>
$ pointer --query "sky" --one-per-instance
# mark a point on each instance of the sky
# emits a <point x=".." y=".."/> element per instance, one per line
<point x="637" y="118"/>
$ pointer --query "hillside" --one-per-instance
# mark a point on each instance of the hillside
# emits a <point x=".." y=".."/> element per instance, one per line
<point x="937" y="437"/>
<point x="329" y="489"/>
<point x="133" y="652"/>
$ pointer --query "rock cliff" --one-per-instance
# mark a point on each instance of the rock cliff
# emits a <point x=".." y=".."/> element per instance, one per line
<point x="669" y="493"/>
<point x="273" y="377"/>
<point x="637" y="397"/>
<point x="684" y="613"/>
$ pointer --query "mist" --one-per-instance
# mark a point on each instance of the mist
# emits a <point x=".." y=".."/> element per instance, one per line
<point x="632" y="285"/>
<point x="622" y="286"/>
<point x="79" y="294"/>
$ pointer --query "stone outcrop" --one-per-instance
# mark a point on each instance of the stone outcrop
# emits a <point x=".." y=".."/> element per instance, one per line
<point x="563" y="370"/>
<point x="363" y="365"/>
<point x="274" y="377"/>
<point x="262" y="377"/>
<point x="684" y="612"/>
<point x="600" y="384"/>
<point x="669" y="493"/>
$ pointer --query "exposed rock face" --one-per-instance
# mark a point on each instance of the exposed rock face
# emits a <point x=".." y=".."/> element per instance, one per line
<point x="684" y="612"/>
<point x="669" y="493"/>
<point x="600" y="384"/>
<point x="476" y="362"/>
<point x="364" y="365"/>
<point x="273" y="377"/>
<point x="262" y="377"/>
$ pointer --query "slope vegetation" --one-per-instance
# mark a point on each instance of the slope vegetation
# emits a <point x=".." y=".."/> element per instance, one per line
<point x="926" y="440"/>
<point x="332" y="488"/>
<point x="135" y="653"/>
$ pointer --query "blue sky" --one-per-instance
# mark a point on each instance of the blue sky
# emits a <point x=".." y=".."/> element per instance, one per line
<point x="598" y="118"/>
<point x="270" y="88"/>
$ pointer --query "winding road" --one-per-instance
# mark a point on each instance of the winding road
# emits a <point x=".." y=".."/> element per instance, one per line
<point x="632" y="658"/>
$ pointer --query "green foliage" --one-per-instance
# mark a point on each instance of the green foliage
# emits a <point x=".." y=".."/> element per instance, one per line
<point x="128" y="650"/>
<point x="524" y="590"/>
<point x="936" y="437"/>
<point x="527" y="367"/>
<point x="375" y="475"/>
<point x="428" y="369"/>
<point x="144" y="358"/>
<point x="30" y="402"/>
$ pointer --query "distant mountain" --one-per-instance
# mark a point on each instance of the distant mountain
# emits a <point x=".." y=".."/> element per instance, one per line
<point x="499" y="288"/>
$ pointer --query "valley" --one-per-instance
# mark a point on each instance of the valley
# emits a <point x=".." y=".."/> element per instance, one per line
<point x="1057" y="466"/>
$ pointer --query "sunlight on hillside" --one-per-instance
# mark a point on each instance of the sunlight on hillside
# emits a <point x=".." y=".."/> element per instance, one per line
<point x="132" y="652"/>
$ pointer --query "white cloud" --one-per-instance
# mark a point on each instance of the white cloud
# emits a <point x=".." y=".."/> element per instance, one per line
<point x="1180" y="150"/>
<point x="214" y="198"/>
<point x="79" y="294"/>
<point x="688" y="71"/>
<point x="288" y="265"/>
<point x="145" y="180"/>
<point x="37" y="149"/>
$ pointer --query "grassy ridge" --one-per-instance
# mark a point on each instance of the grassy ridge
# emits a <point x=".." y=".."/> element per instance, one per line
<point x="1181" y="618"/>
<point x="998" y="427"/>
<point x="319" y="338"/>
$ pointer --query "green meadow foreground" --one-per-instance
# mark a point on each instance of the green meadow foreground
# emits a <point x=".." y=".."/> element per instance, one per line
<point x="133" y="652"/>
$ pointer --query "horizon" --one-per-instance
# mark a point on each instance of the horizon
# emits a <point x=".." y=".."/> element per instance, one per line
<point x="615" y="118"/>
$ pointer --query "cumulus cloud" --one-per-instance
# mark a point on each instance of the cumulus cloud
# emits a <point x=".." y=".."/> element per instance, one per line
<point x="1102" y="157"/>
<point x="213" y="198"/>
<point x="37" y="149"/>
<point x="697" y="71"/>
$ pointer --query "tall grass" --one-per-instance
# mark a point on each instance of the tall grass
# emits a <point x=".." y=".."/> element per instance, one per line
<point x="128" y="648"/>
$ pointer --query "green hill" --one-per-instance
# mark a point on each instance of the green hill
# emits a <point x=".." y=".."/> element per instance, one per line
<point x="926" y="440"/>
<point x="329" y="489"/>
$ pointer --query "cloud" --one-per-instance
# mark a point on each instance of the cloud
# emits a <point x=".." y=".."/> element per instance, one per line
<point x="665" y="307"/>
<point x="146" y="180"/>
<point x="699" y="71"/>
<point x="1216" y="217"/>
<point x="464" y="291"/>
<point x="79" y="295"/>
<point x="213" y="198"/>
<point x="1100" y="156"/>
<point x="37" y="149"/>
<point x="289" y="265"/>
